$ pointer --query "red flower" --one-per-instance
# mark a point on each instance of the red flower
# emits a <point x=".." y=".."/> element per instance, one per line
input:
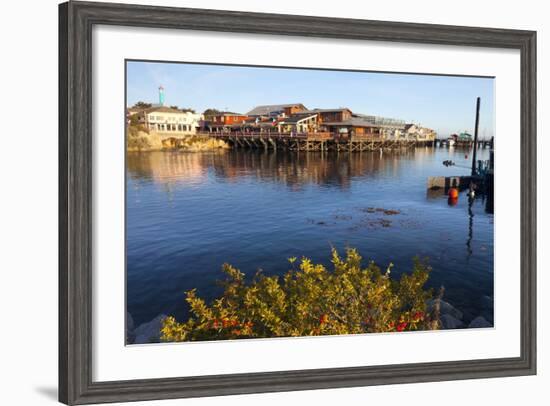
<point x="391" y="324"/>
<point x="401" y="326"/>
<point x="323" y="319"/>
<point x="216" y="323"/>
<point x="418" y="316"/>
<point x="226" y="323"/>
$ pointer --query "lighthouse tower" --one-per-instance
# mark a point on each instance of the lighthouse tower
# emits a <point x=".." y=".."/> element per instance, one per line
<point x="161" y="95"/>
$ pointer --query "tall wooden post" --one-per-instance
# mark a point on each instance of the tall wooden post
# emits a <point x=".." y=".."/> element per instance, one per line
<point x="474" y="155"/>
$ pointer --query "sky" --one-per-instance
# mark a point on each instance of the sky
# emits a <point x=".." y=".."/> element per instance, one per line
<point x="443" y="103"/>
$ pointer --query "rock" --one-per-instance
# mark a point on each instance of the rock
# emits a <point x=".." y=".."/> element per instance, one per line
<point x="445" y="308"/>
<point x="450" y="322"/>
<point x="129" y="322"/>
<point x="488" y="315"/>
<point x="149" y="332"/>
<point x="487" y="303"/>
<point x="479" y="322"/>
<point x="487" y="308"/>
<point x="130" y="336"/>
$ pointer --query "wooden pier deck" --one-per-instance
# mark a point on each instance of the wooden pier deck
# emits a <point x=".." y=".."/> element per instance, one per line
<point x="313" y="142"/>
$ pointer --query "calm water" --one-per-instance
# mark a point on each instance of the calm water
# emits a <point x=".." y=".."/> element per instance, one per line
<point x="188" y="213"/>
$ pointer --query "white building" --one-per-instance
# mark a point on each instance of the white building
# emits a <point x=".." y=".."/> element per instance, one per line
<point x="393" y="132"/>
<point x="418" y="133"/>
<point x="166" y="119"/>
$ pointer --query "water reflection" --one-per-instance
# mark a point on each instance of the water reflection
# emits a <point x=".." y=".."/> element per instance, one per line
<point x="166" y="167"/>
<point x="470" y="225"/>
<point x="292" y="169"/>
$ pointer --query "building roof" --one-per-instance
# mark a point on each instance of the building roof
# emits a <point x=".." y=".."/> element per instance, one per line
<point x="295" y="118"/>
<point x="327" y="110"/>
<point x="227" y="113"/>
<point x="267" y="109"/>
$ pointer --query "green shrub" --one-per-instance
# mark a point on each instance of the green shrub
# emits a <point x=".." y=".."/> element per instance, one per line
<point x="309" y="300"/>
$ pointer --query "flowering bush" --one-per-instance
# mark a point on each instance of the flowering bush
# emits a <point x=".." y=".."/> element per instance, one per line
<point x="309" y="300"/>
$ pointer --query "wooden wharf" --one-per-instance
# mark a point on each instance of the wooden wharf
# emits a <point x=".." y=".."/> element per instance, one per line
<point x="314" y="141"/>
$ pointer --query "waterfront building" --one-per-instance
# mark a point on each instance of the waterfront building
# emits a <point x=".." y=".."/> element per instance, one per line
<point x="464" y="137"/>
<point x="395" y="132"/>
<point x="332" y="115"/>
<point x="299" y="123"/>
<point x="280" y="118"/>
<point x="352" y="127"/>
<point x="390" y="128"/>
<point x="344" y="121"/>
<point x="276" y="110"/>
<point x="418" y="133"/>
<point x="167" y="119"/>
<point x="227" y="118"/>
<point x="159" y="118"/>
<point x="223" y="121"/>
<point x="384" y="121"/>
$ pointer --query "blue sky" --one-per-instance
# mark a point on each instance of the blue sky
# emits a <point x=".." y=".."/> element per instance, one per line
<point x="444" y="103"/>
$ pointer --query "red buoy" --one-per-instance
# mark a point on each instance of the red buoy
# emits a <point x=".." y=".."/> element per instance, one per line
<point x="453" y="193"/>
<point x="452" y="202"/>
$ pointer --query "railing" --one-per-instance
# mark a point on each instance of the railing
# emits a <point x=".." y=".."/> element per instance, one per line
<point x="361" y="137"/>
<point x="266" y="135"/>
<point x="313" y="136"/>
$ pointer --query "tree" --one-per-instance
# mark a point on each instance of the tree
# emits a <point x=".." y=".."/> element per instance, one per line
<point x="183" y="109"/>
<point x="142" y="105"/>
<point x="309" y="300"/>
<point x="211" y="112"/>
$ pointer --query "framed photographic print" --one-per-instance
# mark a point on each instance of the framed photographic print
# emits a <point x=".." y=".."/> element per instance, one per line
<point x="260" y="202"/>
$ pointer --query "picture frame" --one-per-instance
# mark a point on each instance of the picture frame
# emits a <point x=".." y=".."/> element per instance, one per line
<point x="76" y="20"/>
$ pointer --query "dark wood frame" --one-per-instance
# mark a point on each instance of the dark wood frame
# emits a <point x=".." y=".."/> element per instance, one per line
<point x="76" y="20"/>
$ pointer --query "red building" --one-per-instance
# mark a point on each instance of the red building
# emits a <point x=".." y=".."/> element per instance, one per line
<point x="226" y="118"/>
<point x="333" y="115"/>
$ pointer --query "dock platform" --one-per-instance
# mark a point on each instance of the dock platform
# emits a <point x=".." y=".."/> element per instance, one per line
<point x="314" y="142"/>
